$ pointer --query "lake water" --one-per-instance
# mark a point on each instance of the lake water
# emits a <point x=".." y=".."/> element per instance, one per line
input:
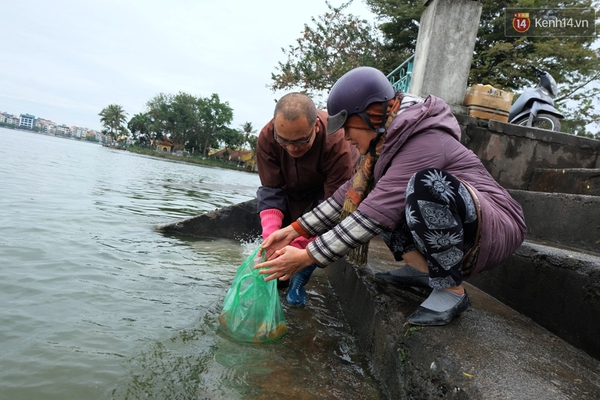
<point x="96" y="304"/>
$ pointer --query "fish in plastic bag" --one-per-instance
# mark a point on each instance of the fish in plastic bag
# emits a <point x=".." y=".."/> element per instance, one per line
<point x="252" y="310"/>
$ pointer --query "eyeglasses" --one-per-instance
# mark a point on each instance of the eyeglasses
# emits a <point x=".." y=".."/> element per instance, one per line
<point x="297" y="143"/>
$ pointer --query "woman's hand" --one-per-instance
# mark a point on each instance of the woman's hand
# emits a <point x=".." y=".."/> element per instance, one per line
<point x="284" y="263"/>
<point x="278" y="240"/>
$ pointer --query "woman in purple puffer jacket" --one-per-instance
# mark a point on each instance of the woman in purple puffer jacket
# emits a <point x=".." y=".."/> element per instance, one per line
<point x="426" y="194"/>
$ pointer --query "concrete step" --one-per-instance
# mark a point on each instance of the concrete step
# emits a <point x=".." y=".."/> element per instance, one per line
<point x="566" y="180"/>
<point x="490" y="352"/>
<point x="562" y="220"/>
<point x="558" y="289"/>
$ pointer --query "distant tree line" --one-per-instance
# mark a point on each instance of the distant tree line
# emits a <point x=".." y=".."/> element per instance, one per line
<point x="195" y="124"/>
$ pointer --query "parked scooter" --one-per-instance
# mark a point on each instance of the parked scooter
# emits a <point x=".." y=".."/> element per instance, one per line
<point x="535" y="107"/>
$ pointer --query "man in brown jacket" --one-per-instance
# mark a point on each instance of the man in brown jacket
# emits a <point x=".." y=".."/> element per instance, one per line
<point x="299" y="166"/>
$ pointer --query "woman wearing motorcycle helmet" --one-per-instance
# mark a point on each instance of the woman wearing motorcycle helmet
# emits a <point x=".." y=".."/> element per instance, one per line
<point x="428" y="196"/>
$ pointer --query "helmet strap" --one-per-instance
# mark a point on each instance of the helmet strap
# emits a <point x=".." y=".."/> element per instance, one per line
<point x="380" y="131"/>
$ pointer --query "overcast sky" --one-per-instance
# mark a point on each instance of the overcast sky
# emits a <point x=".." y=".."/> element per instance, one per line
<point x="65" y="60"/>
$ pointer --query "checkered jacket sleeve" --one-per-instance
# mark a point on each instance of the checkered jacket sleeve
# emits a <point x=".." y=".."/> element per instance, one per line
<point x="342" y="237"/>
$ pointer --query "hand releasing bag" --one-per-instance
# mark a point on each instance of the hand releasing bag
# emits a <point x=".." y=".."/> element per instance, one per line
<point x="252" y="309"/>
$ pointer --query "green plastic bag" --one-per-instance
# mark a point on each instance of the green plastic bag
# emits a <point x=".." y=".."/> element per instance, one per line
<point x="252" y="309"/>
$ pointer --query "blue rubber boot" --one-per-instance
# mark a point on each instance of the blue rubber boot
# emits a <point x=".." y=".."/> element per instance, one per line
<point x="296" y="296"/>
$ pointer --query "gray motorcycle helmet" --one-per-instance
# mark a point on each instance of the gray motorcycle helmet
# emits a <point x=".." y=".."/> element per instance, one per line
<point x="353" y="93"/>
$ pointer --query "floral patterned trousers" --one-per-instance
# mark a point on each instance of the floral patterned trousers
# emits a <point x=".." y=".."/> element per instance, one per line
<point x="441" y="223"/>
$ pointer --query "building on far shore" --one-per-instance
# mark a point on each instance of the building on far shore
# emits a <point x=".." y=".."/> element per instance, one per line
<point x="164" y="144"/>
<point x="26" y="121"/>
<point x="7" y="118"/>
<point x="63" y="130"/>
<point x="44" y="125"/>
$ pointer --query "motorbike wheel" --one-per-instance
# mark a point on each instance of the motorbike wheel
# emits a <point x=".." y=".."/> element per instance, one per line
<point x="542" y="121"/>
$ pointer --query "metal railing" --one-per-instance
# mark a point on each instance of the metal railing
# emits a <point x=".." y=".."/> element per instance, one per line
<point x="400" y="77"/>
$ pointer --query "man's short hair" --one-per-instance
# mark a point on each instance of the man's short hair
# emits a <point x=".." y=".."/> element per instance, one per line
<point x="295" y="105"/>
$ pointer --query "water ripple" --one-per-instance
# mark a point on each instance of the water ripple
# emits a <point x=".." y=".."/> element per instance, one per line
<point x="96" y="304"/>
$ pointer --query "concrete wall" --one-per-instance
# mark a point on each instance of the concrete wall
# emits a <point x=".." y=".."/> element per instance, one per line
<point x="512" y="153"/>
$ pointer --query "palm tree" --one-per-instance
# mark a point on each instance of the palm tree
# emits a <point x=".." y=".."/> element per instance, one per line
<point x="248" y="130"/>
<point x="251" y="140"/>
<point x="113" y="117"/>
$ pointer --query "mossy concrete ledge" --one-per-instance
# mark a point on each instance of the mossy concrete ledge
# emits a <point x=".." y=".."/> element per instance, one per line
<point x="489" y="352"/>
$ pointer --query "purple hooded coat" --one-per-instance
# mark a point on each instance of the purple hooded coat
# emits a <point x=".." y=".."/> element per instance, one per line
<point x="427" y="135"/>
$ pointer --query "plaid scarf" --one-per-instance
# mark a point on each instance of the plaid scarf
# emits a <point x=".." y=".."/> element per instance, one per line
<point x="363" y="182"/>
